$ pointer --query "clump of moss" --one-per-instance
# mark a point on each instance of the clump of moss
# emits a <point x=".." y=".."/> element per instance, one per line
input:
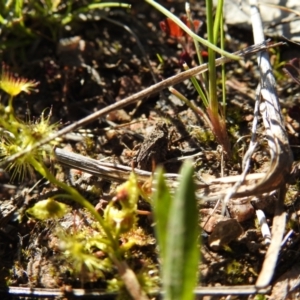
<point x="203" y="135"/>
<point x="236" y="272"/>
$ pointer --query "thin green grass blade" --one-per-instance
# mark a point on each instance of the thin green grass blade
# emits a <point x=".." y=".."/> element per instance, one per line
<point x="217" y="22"/>
<point x="182" y="253"/>
<point x="212" y="74"/>
<point x="161" y="209"/>
<point x="199" y="91"/>
<point x="222" y="42"/>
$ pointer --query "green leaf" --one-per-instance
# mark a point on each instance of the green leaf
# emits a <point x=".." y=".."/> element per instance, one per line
<point x="161" y="208"/>
<point x="48" y="209"/>
<point x="180" y="263"/>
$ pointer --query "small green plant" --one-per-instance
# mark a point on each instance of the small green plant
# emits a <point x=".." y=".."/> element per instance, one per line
<point x="12" y="129"/>
<point x="277" y="63"/>
<point x="207" y="89"/>
<point x="17" y="135"/>
<point x="21" y="21"/>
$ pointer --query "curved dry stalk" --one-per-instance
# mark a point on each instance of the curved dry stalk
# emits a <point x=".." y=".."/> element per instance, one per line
<point x="281" y="156"/>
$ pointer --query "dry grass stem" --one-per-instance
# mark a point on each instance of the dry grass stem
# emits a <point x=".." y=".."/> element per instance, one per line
<point x="280" y="152"/>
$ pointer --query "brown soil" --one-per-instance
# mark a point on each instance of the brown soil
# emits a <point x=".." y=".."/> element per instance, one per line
<point x="118" y="67"/>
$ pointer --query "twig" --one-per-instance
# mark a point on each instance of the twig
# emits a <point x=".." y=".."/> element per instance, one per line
<point x="109" y="171"/>
<point x="100" y="294"/>
<point x="206" y="191"/>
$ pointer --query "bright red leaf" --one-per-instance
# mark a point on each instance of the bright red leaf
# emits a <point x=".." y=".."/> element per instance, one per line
<point x="173" y="30"/>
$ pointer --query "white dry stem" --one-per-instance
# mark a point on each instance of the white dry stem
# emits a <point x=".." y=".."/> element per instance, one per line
<point x="238" y="290"/>
<point x="281" y="157"/>
<point x="248" y="154"/>
<point x="253" y="143"/>
<point x="264" y="227"/>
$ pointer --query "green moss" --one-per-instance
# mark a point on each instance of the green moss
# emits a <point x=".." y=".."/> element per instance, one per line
<point x="202" y="135"/>
<point x="291" y="194"/>
<point x="235" y="271"/>
<point x="234" y="115"/>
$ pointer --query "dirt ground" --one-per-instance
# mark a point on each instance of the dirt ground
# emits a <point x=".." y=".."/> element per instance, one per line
<point x="96" y="62"/>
